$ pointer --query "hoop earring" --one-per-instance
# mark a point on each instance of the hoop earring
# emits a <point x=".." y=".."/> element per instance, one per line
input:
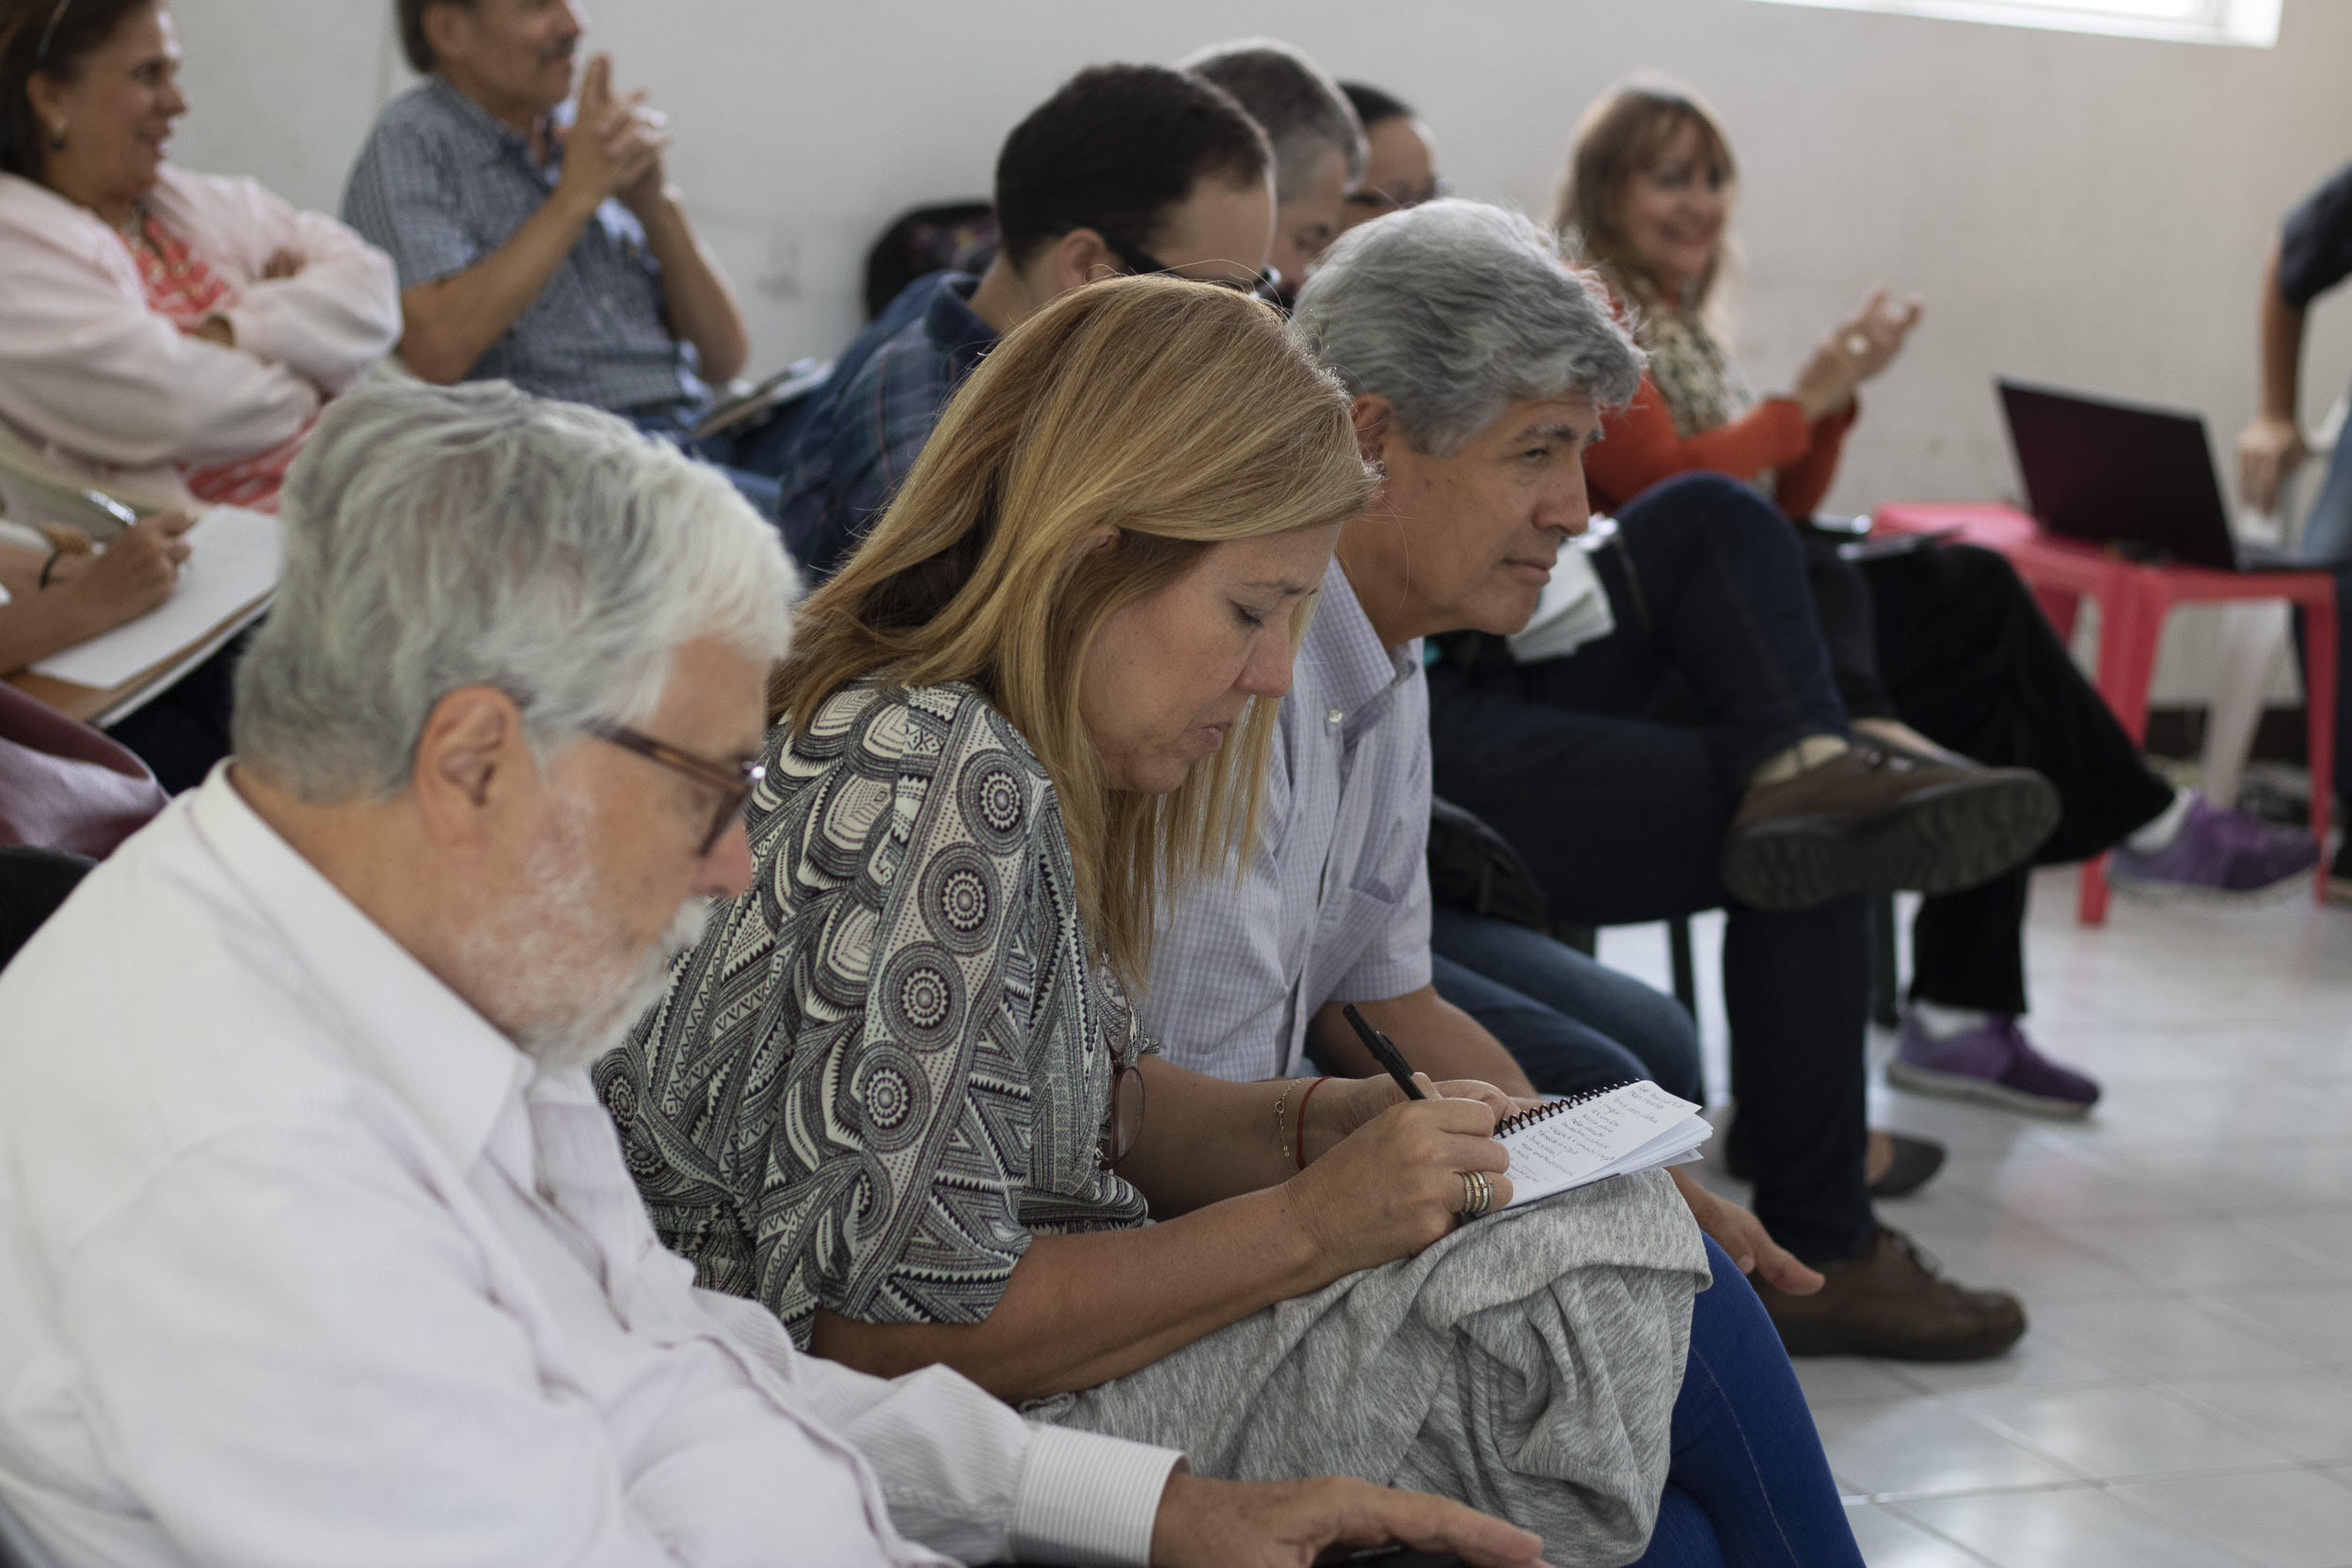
<point x="57" y="136"/>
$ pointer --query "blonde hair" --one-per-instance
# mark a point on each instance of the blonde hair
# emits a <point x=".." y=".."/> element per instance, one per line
<point x="1625" y="132"/>
<point x="1178" y="413"/>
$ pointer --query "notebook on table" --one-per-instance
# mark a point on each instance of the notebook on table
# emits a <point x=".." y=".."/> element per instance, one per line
<point x="235" y="558"/>
<point x="1602" y="1132"/>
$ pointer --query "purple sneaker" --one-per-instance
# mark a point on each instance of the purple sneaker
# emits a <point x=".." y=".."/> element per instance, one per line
<point x="1993" y="1063"/>
<point x="2217" y="855"/>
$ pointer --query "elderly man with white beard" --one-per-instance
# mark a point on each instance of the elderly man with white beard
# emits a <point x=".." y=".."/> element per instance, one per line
<point x="315" y="1245"/>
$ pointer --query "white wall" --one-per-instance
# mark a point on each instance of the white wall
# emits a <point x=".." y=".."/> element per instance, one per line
<point x="2087" y="211"/>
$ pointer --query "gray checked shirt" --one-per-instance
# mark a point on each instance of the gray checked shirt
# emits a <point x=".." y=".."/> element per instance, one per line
<point x="440" y="185"/>
<point x="1334" y="904"/>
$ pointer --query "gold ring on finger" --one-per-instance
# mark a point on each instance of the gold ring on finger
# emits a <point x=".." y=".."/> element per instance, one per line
<point x="1478" y="1194"/>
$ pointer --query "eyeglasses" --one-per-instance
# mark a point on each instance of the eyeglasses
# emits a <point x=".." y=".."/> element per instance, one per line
<point x="1267" y="285"/>
<point x="734" y="781"/>
<point x="1384" y="202"/>
<point x="49" y="35"/>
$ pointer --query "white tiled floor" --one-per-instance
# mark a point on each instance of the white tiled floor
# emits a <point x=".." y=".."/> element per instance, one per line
<point x="2183" y="1396"/>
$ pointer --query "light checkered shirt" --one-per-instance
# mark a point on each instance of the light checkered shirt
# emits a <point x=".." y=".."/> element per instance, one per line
<point x="440" y="185"/>
<point x="1335" y="903"/>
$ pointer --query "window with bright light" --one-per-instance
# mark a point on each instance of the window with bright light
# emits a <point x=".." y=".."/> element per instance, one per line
<point x="2251" y="22"/>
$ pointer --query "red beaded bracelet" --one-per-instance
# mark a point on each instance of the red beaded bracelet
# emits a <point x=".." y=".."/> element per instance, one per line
<point x="1298" y="1161"/>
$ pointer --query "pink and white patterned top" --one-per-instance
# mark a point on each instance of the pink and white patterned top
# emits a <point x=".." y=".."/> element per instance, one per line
<point x="183" y="289"/>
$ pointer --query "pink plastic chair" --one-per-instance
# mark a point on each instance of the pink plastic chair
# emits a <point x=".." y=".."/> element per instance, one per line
<point x="2134" y="599"/>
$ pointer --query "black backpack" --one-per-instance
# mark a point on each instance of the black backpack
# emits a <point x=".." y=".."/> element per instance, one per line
<point x="1474" y="869"/>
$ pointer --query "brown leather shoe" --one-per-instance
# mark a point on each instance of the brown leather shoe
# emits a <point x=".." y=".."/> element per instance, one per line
<point x="1878" y="820"/>
<point x="1891" y="1302"/>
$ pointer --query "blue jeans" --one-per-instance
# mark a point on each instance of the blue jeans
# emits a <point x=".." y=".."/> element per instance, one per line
<point x="2327" y="541"/>
<point x="1572" y="1023"/>
<point x="729" y="453"/>
<point x="1748" y="1486"/>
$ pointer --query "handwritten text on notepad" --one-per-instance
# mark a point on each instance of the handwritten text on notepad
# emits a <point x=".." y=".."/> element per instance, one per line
<point x="1630" y="1128"/>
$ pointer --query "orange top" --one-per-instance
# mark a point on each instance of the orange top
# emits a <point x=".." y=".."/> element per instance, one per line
<point x="1640" y="447"/>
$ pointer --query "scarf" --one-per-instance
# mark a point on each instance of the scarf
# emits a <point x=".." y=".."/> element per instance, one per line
<point x="1701" y="385"/>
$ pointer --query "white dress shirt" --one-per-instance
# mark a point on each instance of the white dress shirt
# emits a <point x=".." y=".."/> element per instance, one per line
<point x="1334" y="903"/>
<point x="301" y="1262"/>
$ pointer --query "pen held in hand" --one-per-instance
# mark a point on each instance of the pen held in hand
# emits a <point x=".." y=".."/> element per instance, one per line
<point x="1384" y="1051"/>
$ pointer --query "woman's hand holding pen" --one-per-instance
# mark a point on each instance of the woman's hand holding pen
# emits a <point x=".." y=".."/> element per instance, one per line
<point x="1393" y="1184"/>
<point x="1344" y="1104"/>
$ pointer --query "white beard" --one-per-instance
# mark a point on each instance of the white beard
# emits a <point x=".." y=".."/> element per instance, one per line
<point x="569" y="996"/>
<point x="602" y="1017"/>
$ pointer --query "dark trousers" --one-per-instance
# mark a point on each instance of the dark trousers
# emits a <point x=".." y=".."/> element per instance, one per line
<point x="1621" y="815"/>
<point x="1570" y="1021"/>
<point x="1965" y="655"/>
<point x="184" y="730"/>
<point x="1715" y="620"/>
<point x="1849" y="622"/>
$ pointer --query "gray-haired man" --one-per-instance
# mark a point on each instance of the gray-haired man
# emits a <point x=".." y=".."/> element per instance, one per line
<point x="316" y="1246"/>
<point x="1479" y="364"/>
<point x="1318" y="142"/>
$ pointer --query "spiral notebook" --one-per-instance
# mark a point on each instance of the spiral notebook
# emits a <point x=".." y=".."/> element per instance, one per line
<point x="1602" y="1132"/>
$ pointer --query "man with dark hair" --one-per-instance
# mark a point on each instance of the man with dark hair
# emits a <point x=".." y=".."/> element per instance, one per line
<point x="1127" y="168"/>
<point x="1318" y="142"/>
<point x="537" y="238"/>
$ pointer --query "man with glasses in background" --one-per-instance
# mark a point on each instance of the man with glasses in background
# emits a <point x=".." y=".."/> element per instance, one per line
<point x="1127" y="168"/>
<point x="1402" y="169"/>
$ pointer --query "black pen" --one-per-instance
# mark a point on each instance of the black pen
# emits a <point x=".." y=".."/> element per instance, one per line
<point x="1384" y="1051"/>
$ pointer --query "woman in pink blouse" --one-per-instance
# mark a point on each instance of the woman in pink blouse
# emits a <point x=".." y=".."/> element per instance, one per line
<point x="166" y="332"/>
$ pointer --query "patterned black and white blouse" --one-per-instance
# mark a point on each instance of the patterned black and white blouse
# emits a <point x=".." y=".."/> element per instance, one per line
<point x="890" y="1062"/>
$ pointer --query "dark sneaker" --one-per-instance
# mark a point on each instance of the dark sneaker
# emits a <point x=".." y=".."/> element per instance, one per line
<point x="1993" y="1063"/>
<point x="1910" y="1162"/>
<point x="2217" y="855"/>
<point x="1877" y="820"/>
<point x="1891" y="1302"/>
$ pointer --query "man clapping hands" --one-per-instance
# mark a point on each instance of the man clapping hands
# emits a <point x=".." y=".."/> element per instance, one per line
<point x="546" y="250"/>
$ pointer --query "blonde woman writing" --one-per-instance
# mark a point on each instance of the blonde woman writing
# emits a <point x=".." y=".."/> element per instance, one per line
<point x="898" y="1094"/>
<point x="881" y="1097"/>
